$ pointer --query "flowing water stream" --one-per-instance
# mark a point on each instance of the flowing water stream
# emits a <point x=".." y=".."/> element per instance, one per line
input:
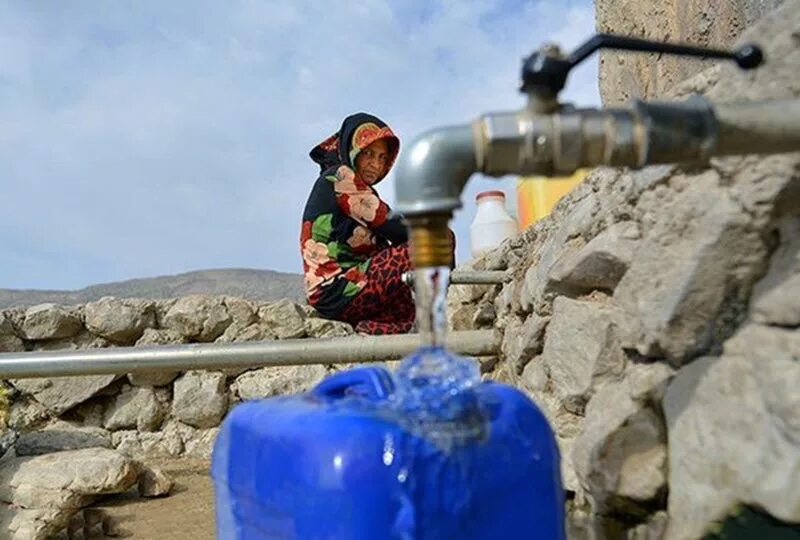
<point x="431" y="302"/>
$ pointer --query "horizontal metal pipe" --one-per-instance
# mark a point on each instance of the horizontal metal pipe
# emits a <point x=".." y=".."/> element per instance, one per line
<point x="641" y="134"/>
<point x="469" y="277"/>
<point x="761" y="127"/>
<point x="340" y="350"/>
<point x="479" y="277"/>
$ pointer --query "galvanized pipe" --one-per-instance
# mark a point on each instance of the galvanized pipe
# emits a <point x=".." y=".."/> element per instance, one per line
<point x="746" y="128"/>
<point x="469" y="277"/>
<point x="644" y="133"/>
<point x="341" y="350"/>
<point x="447" y="154"/>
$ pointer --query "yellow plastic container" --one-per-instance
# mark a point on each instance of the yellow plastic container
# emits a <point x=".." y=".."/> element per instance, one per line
<point x="537" y="195"/>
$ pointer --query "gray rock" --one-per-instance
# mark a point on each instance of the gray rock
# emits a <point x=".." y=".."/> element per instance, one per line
<point x="113" y="526"/>
<point x="754" y="341"/>
<point x="776" y="298"/>
<point x="200" y="318"/>
<point x="465" y="294"/>
<point x="62" y="393"/>
<point x="154" y="482"/>
<point x="522" y="341"/>
<point x="26" y="413"/>
<point x="566" y="425"/>
<point x="161" y="336"/>
<point x="159" y="444"/>
<point x="149" y="338"/>
<point x="200" y="443"/>
<point x="579" y="216"/>
<point x="582" y="349"/>
<point x="461" y="317"/>
<point x="324" y="328"/>
<point x="88" y="523"/>
<point x="535" y="377"/>
<point x="274" y="381"/>
<point x="688" y="280"/>
<point x="484" y="316"/>
<point x="600" y="264"/>
<point x="61" y="482"/>
<point x="83" y="340"/>
<point x="90" y="413"/>
<point x="257" y="331"/>
<point x="174" y="439"/>
<point x="242" y="312"/>
<point x="9" y="341"/>
<point x="61" y="436"/>
<point x="504" y="302"/>
<point x="285" y="318"/>
<point x="16" y="316"/>
<point x="654" y="529"/>
<point x="648" y="381"/>
<point x="8" y="437"/>
<point x="137" y="407"/>
<point x="243" y="316"/>
<point x="162" y="308"/>
<point x="50" y="321"/>
<point x="152" y="378"/>
<point x="734" y="431"/>
<point x="31" y="524"/>
<point x="535" y="282"/>
<point x="620" y="456"/>
<point x="309" y="311"/>
<point x="503" y="374"/>
<point x="494" y="259"/>
<point x="120" y="321"/>
<point x="200" y="398"/>
<point x="7" y="394"/>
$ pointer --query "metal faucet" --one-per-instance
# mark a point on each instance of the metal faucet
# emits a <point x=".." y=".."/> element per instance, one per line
<point x="550" y="138"/>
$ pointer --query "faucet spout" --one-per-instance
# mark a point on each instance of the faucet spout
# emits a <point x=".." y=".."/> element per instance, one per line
<point x="432" y="173"/>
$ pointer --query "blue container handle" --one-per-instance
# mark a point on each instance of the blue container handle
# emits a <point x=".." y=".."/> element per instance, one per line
<point x="373" y="383"/>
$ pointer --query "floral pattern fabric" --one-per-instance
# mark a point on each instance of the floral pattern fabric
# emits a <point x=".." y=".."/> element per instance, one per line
<point x="385" y="305"/>
<point x="345" y="222"/>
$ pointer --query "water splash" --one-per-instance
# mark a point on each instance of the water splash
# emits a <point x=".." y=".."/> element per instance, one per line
<point x="435" y="397"/>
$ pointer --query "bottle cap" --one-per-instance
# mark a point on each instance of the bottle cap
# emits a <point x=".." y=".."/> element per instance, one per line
<point x="493" y="193"/>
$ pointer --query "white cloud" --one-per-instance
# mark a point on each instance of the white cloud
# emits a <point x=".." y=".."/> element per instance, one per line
<point x="140" y="139"/>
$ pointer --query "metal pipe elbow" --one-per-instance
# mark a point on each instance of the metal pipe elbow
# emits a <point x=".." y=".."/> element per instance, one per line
<point x="431" y="174"/>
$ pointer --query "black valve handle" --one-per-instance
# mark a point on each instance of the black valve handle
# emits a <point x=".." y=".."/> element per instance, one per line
<point x="548" y="72"/>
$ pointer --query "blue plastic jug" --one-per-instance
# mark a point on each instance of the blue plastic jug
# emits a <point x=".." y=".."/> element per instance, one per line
<point x="367" y="456"/>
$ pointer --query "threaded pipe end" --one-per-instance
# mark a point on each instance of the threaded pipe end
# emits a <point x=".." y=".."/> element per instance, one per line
<point x="431" y="243"/>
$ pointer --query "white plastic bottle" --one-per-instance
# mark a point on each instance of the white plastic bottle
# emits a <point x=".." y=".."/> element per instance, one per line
<point x="492" y="223"/>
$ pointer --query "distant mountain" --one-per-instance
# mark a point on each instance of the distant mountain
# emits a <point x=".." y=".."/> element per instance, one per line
<point x="246" y="283"/>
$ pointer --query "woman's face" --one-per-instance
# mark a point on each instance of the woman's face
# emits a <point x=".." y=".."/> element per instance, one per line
<point x="371" y="162"/>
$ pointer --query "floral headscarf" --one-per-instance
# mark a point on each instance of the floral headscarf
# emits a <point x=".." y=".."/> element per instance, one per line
<point x="357" y="132"/>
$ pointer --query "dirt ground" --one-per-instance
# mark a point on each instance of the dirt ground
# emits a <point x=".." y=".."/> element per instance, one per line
<point x="187" y="513"/>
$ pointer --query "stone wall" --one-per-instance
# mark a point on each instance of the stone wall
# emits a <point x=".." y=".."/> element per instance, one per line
<point x="699" y="22"/>
<point x="655" y="318"/>
<point x="63" y="431"/>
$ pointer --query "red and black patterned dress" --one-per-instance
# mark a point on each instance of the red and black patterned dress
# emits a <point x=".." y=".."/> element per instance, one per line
<point x="354" y="251"/>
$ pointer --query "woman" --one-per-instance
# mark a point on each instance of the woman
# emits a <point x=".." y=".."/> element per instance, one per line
<point x="354" y="251"/>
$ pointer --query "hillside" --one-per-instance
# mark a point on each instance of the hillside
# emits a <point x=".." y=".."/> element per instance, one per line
<point x="243" y="282"/>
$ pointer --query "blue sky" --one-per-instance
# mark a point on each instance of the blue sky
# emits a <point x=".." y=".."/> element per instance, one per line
<point x="148" y="138"/>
